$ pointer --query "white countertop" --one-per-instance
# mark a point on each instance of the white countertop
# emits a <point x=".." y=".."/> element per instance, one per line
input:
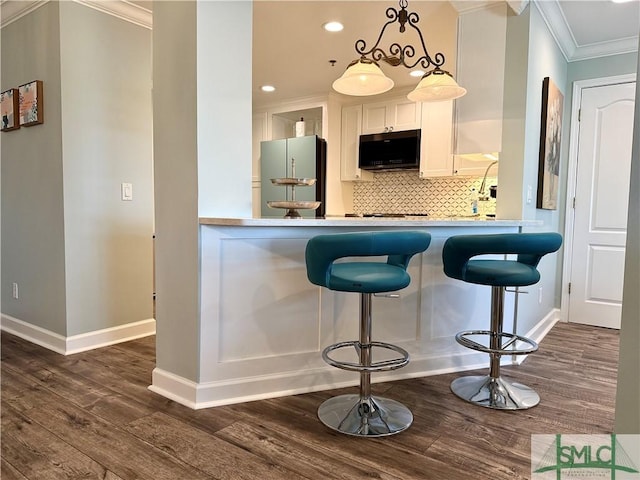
<point x="338" y="221"/>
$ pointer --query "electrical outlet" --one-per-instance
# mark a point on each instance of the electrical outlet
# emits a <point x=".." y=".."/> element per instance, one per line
<point x="14" y="290"/>
<point x="540" y="295"/>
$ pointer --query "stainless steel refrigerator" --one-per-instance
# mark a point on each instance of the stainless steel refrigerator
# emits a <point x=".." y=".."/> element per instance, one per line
<point x="310" y="154"/>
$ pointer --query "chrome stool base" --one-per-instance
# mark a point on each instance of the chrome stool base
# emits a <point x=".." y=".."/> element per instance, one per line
<point x="497" y="393"/>
<point x="365" y="417"/>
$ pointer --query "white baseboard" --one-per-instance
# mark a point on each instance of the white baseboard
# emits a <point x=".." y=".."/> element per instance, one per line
<point x="34" y="334"/>
<point x="226" y="392"/>
<point x="77" y="343"/>
<point x="539" y="331"/>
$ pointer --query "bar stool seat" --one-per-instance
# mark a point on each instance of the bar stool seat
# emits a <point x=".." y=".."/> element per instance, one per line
<point x="494" y="391"/>
<point x="372" y="277"/>
<point x="364" y="415"/>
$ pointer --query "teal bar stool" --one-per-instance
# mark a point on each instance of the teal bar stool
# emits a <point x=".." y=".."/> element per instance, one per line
<point x="492" y="390"/>
<point x="364" y="415"/>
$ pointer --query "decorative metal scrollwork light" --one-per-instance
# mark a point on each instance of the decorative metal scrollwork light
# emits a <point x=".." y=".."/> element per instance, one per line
<point x="364" y="76"/>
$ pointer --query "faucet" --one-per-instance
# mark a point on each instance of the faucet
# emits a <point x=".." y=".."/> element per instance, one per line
<point x="482" y="195"/>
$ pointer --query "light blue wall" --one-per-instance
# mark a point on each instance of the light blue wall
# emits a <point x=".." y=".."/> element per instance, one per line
<point x="528" y="34"/>
<point x="601" y="67"/>
<point x="545" y="60"/>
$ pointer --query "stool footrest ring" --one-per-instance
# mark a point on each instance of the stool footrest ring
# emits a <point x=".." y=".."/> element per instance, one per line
<point x="383" y="365"/>
<point x="462" y="339"/>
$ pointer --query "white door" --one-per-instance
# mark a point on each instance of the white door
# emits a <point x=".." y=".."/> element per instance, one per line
<point x="601" y="204"/>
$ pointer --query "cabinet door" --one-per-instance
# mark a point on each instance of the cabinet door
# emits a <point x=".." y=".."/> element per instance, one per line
<point x="375" y="118"/>
<point x="391" y="116"/>
<point x="475" y="165"/>
<point x="405" y="114"/>
<point x="436" y="158"/>
<point x="273" y="156"/>
<point x="480" y="69"/>
<point x="350" y="131"/>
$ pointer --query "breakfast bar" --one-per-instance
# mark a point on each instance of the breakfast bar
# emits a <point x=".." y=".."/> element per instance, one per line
<point x="263" y="325"/>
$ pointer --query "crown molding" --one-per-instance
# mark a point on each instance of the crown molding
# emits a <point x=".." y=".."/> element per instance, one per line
<point x="12" y="10"/>
<point x="466" y="6"/>
<point x="604" y="49"/>
<point x="123" y="10"/>
<point x="517" y="6"/>
<point x="557" y="23"/>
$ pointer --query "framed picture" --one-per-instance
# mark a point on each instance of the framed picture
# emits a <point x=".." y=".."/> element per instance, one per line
<point x="550" y="131"/>
<point x="31" y="103"/>
<point x="9" y="106"/>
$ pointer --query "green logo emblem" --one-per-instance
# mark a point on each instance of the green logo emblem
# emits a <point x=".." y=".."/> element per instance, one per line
<point x="584" y="456"/>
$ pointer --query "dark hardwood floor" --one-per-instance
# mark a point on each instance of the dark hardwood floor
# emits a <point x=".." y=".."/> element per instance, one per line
<point x="91" y="416"/>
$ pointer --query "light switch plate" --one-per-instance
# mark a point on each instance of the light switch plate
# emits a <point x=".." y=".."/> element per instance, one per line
<point x="126" y="190"/>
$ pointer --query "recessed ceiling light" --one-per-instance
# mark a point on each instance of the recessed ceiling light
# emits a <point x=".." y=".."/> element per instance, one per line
<point x="268" y="88"/>
<point x="333" y="26"/>
<point x="416" y="73"/>
<point x="621" y="1"/>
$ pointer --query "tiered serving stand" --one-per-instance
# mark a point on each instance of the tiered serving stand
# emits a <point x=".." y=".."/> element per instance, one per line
<point x="292" y="206"/>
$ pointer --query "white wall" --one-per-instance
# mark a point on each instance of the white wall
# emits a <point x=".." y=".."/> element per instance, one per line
<point x="511" y="170"/>
<point x="106" y="136"/>
<point x="202" y="156"/>
<point x="224" y="82"/>
<point x="82" y="257"/>
<point x="32" y="188"/>
<point x="176" y="187"/>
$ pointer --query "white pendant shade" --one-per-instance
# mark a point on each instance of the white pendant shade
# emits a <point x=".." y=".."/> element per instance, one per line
<point x="436" y="87"/>
<point x="363" y="78"/>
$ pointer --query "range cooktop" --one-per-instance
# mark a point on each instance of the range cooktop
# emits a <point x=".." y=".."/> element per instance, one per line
<point x="387" y="215"/>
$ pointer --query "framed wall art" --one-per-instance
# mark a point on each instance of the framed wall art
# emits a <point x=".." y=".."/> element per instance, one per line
<point x="31" y="103"/>
<point x="9" y="107"/>
<point x="550" y="132"/>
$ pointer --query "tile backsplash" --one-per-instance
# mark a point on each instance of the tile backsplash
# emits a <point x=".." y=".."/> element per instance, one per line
<point x="405" y="192"/>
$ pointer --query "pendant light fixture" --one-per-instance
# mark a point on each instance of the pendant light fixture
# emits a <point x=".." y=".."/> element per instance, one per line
<point x="364" y="76"/>
<point x="435" y="86"/>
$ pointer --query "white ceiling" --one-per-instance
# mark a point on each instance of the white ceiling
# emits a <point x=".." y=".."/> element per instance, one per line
<point x="292" y="52"/>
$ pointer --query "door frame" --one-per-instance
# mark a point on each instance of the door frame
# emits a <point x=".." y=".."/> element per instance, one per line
<point x="572" y="170"/>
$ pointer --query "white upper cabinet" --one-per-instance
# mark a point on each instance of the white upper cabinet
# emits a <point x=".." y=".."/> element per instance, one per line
<point x="392" y="115"/>
<point x="480" y="69"/>
<point x="350" y="130"/>
<point x="436" y="159"/>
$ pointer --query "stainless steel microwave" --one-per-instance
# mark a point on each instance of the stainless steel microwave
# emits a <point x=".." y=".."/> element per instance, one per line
<point x="390" y="151"/>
